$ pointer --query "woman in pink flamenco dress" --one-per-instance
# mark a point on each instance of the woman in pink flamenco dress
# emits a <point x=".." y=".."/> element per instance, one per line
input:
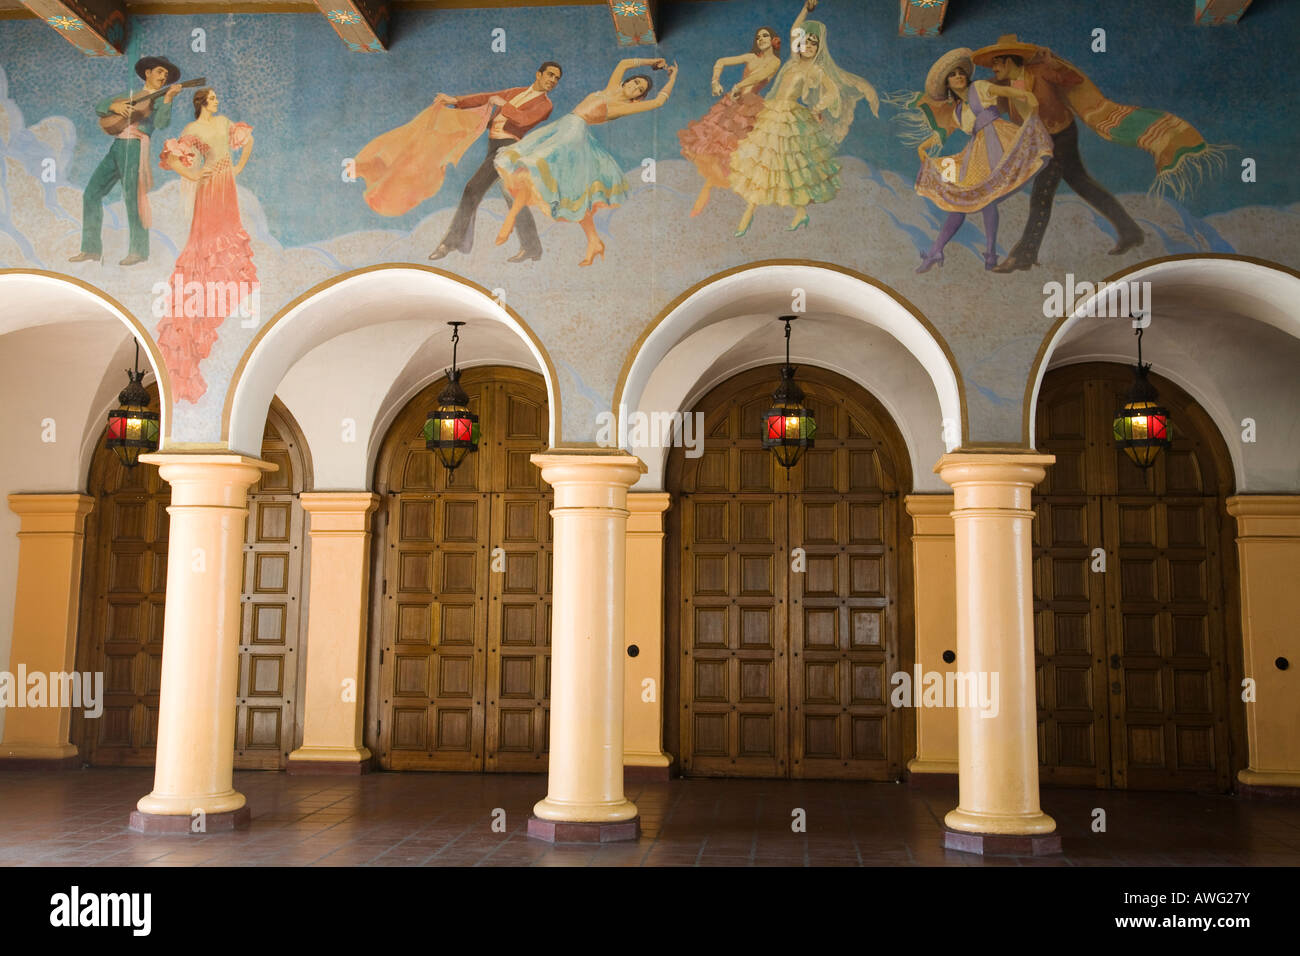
<point x="711" y="139"/>
<point x="218" y="256"/>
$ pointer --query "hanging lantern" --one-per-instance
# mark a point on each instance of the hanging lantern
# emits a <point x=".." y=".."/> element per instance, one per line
<point x="451" y="429"/>
<point x="788" y="426"/>
<point x="1142" y="426"/>
<point x="132" y="428"/>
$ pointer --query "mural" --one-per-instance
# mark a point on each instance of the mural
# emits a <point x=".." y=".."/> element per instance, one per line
<point x="522" y="141"/>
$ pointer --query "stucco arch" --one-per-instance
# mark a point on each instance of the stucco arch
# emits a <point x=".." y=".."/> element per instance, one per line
<point x="1225" y="330"/>
<point x="853" y="325"/>
<point x="332" y="321"/>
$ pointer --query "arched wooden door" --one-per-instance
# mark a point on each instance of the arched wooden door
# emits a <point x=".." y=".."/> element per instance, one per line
<point x="124" y="593"/>
<point x="782" y="657"/>
<point x="463" y="613"/>
<point x="1135" y="656"/>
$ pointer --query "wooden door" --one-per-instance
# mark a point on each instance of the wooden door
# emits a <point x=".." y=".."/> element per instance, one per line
<point x="1133" y="663"/>
<point x="124" y="595"/>
<point x="784" y="655"/>
<point x="465" y="590"/>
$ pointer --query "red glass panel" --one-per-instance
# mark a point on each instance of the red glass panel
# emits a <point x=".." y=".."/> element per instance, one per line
<point x="116" y="427"/>
<point x="462" y="429"/>
<point x="776" y="426"/>
<point x="1157" y="426"/>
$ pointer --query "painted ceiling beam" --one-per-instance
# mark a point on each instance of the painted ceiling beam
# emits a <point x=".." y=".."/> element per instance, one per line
<point x="633" y="22"/>
<point x="361" y="24"/>
<point x="1216" y="13"/>
<point x="96" y="27"/>
<point x="921" y="18"/>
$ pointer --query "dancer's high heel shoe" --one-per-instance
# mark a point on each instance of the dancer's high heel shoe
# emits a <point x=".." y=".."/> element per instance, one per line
<point x="796" y="226"/>
<point x="593" y="256"/>
<point x="990" y="260"/>
<point x="741" y="232"/>
<point x="929" y="261"/>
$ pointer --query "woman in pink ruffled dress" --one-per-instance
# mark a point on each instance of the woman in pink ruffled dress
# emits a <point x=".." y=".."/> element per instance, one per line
<point x="711" y="139"/>
<point x="218" y="256"/>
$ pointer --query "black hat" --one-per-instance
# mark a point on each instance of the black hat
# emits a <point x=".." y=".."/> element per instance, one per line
<point x="149" y="62"/>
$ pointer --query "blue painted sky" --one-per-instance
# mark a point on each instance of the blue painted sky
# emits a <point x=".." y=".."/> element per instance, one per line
<point x="312" y="103"/>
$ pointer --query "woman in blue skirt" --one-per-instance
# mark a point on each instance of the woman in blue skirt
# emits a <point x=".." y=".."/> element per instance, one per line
<point x="563" y="170"/>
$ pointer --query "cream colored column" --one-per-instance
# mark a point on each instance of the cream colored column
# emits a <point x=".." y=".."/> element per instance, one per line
<point x="50" y="544"/>
<point x="201" y="625"/>
<point x="997" y="755"/>
<point x="1268" y="546"/>
<point x="934" y="566"/>
<point x="643" y="729"/>
<point x="337" y="618"/>
<point x="585" y="778"/>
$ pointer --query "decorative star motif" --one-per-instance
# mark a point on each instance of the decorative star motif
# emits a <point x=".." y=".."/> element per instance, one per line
<point x="65" y="23"/>
<point x="343" y="16"/>
<point x="927" y="3"/>
<point x="629" y="8"/>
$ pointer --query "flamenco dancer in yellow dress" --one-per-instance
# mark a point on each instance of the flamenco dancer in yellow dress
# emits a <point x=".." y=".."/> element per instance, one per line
<point x="788" y="158"/>
<point x="563" y="170"/>
<point x="998" y="159"/>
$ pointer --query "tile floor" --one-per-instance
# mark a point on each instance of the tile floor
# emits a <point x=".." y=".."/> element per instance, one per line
<point x="78" y="818"/>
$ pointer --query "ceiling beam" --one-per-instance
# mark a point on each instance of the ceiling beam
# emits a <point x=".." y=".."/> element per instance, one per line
<point x="361" y="24"/>
<point x="633" y="22"/>
<point x="96" y="27"/>
<point x="921" y="18"/>
<point x="1216" y="13"/>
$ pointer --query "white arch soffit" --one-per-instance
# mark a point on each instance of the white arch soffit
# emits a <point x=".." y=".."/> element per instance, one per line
<point x="332" y="314"/>
<point x="32" y="300"/>
<point x="827" y="291"/>
<point x="1271" y="292"/>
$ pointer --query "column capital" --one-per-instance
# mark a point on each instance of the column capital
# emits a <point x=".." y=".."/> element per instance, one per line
<point x="1266" y="516"/>
<point x="209" y="480"/>
<point x="993" y="467"/>
<point x="931" y="514"/>
<point x="649" y="502"/>
<point x="584" y="480"/>
<point x="51" y="514"/>
<point x="339" y="512"/>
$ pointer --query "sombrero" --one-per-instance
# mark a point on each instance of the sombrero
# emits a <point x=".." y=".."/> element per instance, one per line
<point x="146" y="64"/>
<point x="936" y="81"/>
<point x="1008" y="45"/>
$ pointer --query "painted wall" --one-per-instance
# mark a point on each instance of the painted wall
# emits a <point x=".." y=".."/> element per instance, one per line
<point x="313" y="106"/>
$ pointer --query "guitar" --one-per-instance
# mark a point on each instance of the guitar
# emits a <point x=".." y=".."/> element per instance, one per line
<point x="141" y="106"/>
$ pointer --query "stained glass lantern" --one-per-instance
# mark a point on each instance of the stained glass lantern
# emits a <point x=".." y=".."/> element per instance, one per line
<point x="789" y="426"/>
<point x="1142" y="427"/>
<point x="132" y="428"/>
<point x="452" y="430"/>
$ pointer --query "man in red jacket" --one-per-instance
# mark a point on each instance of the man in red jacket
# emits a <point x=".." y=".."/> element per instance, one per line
<point x="518" y="111"/>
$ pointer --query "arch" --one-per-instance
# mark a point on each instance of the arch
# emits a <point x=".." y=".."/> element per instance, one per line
<point x="723" y="305"/>
<point x="53" y="298"/>
<point x="1182" y="287"/>
<point x="326" y="311"/>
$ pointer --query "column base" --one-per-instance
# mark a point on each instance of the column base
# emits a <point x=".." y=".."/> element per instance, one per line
<point x="26" y="762"/>
<point x="337" y="761"/>
<point x="567" y="831"/>
<point x="211" y="804"/>
<point x="1002" y="844"/>
<point x="173" y="823"/>
<point x="1269" y="783"/>
<point x="640" y="773"/>
<point x="932" y="781"/>
<point x="1006" y="824"/>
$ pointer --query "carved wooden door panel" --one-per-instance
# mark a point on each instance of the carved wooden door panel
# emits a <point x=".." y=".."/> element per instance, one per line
<point x="785" y="655"/>
<point x="268" y="647"/>
<point x="465" y="625"/>
<point x="1132" y="660"/>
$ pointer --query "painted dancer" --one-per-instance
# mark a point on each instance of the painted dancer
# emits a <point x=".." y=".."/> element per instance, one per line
<point x="710" y="140"/>
<point x="998" y="159"/>
<point x="562" y="169"/>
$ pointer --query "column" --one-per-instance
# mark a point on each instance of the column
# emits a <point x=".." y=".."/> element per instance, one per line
<point x="643" y="704"/>
<point x="337" y="624"/>
<point x="584" y="800"/>
<point x="998" y="809"/>
<point x="193" y="787"/>
<point x="51" y="538"/>
<point x="934" y="567"/>
<point x="1268" y="549"/>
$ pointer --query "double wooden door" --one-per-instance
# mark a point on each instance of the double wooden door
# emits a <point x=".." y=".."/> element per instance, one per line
<point x="124" y="594"/>
<point x="784" y="589"/>
<point x="464" y="589"/>
<point x="1131" y="639"/>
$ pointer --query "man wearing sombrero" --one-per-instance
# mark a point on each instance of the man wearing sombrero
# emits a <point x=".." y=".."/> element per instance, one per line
<point x="1058" y="87"/>
<point x="128" y="161"/>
